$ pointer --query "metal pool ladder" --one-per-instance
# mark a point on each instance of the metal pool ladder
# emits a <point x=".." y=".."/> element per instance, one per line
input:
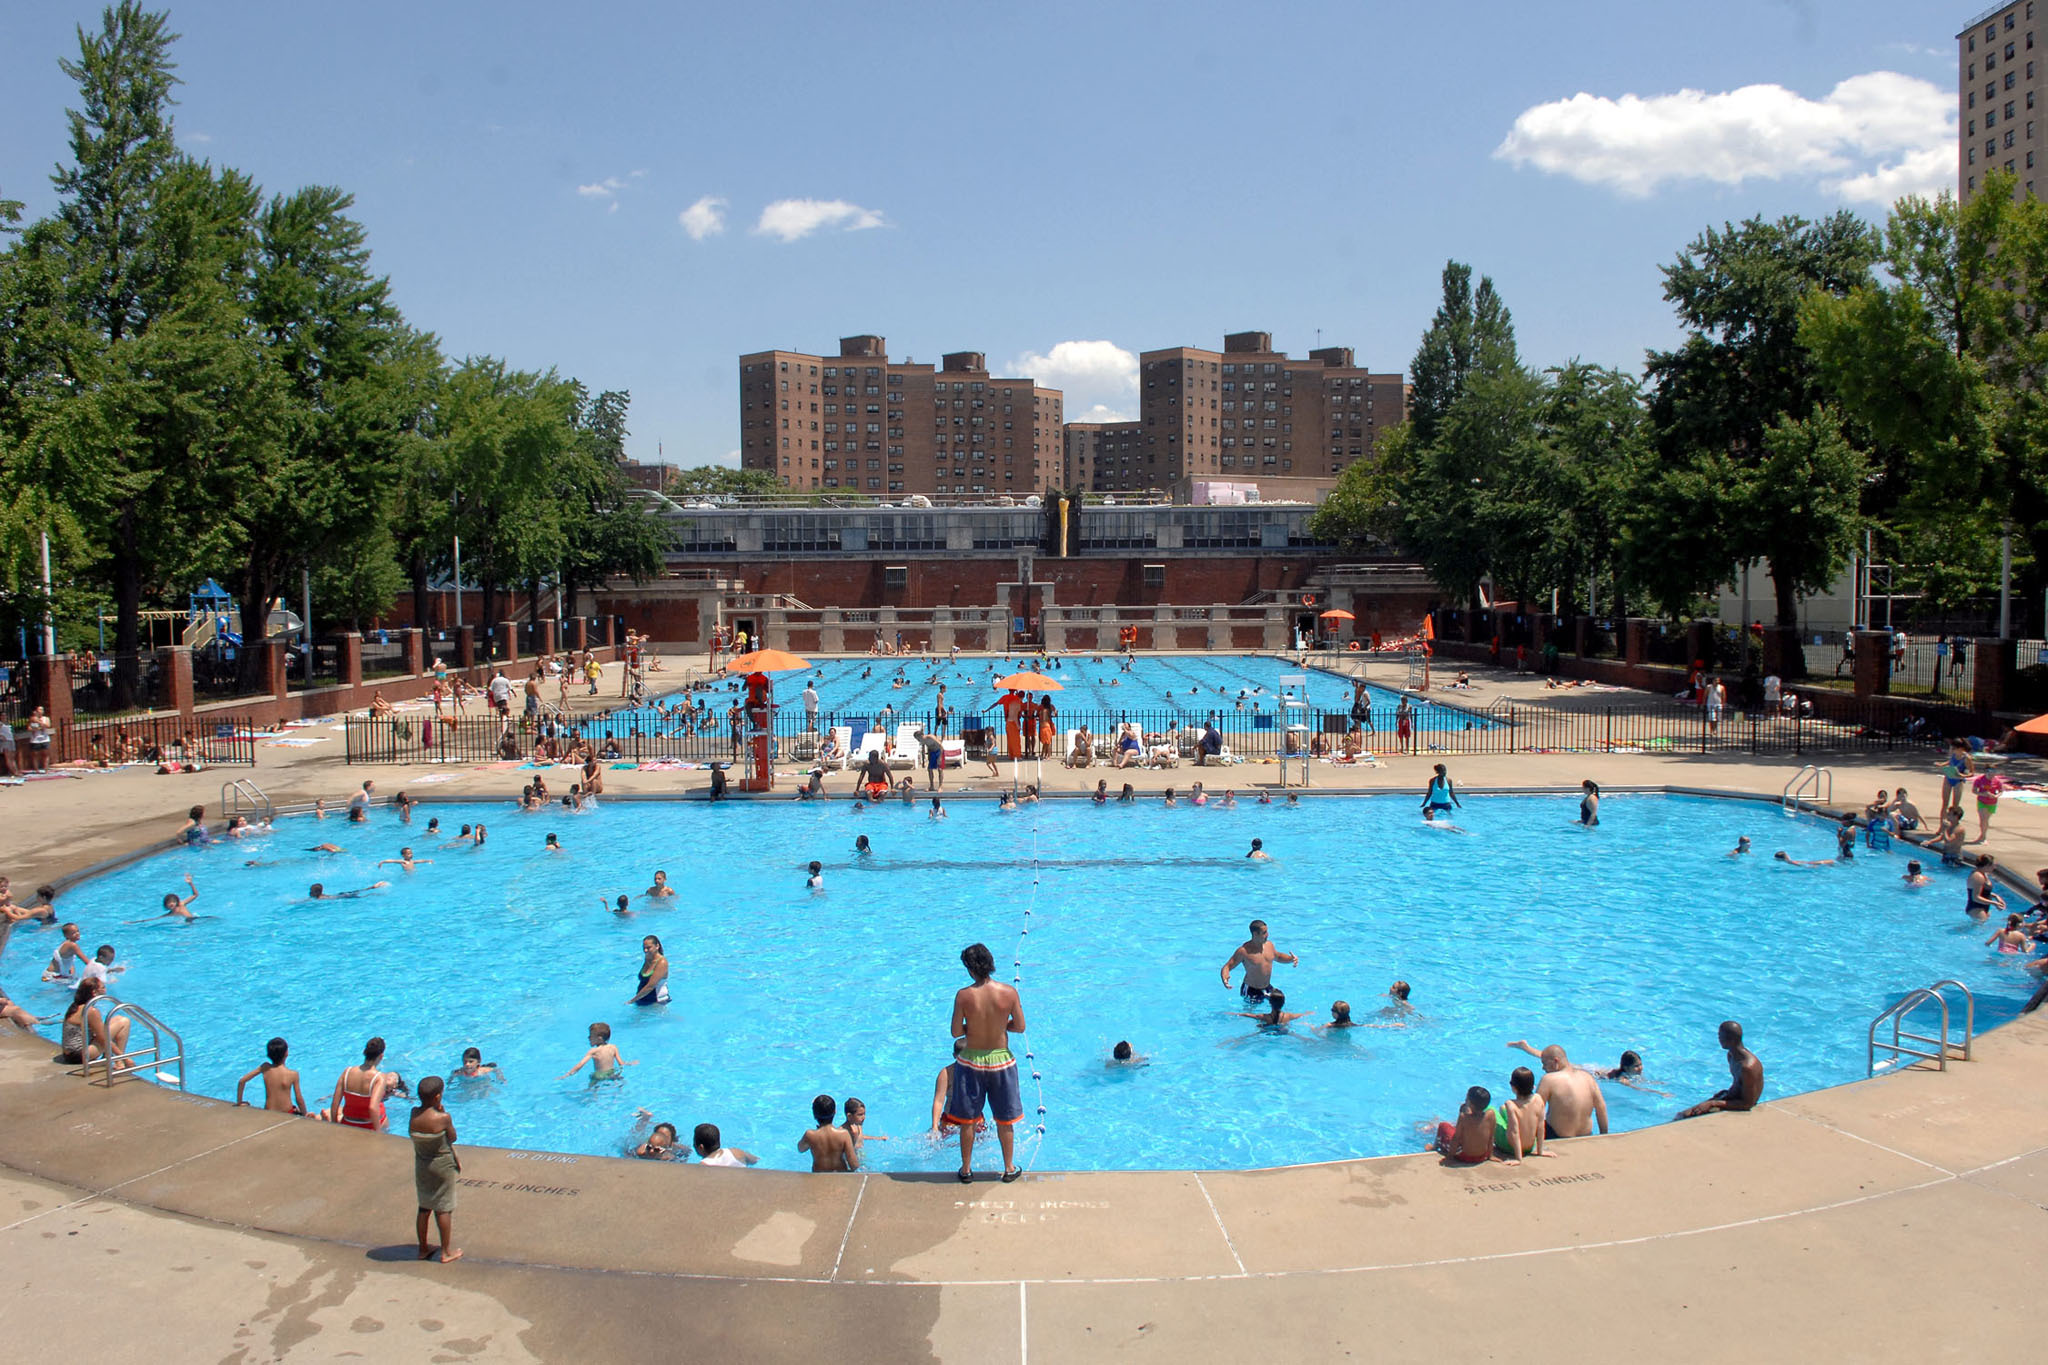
<point x="146" y="1061"/>
<point x="240" y="796"/>
<point x="1899" y="1046"/>
<point x="1819" y="782"/>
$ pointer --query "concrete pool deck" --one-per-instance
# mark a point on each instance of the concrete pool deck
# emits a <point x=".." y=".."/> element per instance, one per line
<point x="1898" y="1218"/>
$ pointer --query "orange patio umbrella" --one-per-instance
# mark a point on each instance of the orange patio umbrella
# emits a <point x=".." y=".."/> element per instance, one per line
<point x="1029" y="682"/>
<point x="2037" y="726"/>
<point x="766" y="661"/>
<point x="1338" y="614"/>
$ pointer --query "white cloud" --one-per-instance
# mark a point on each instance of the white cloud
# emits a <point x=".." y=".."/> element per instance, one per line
<point x="1101" y="375"/>
<point x="790" y="219"/>
<point x="607" y="189"/>
<point x="705" y="218"/>
<point x="1872" y="134"/>
<point x="197" y="137"/>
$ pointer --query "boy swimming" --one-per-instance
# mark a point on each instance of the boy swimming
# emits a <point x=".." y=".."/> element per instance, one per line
<point x="606" y="1064"/>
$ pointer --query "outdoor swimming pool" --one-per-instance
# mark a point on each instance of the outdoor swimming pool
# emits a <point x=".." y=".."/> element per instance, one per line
<point x="1639" y="934"/>
<point x="1238" y="689"/>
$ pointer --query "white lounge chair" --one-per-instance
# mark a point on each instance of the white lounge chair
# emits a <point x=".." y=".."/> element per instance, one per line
<point x="908" y="750"/>
<point x="873" y="742"/>
<point x="842" y="736"/>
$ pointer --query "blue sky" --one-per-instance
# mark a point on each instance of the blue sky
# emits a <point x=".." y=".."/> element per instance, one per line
<point x="636" y="194"/>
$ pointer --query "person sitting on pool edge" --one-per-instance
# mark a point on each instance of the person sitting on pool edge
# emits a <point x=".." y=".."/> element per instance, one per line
<point x="1469" y="1141"/>
<point x="1571" y="1094"/>
<point x="1744" y="1069"/>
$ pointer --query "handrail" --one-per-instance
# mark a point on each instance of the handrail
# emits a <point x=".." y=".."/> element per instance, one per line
<point x="1904" y="1006"/>
<point x="235" y="790"/>
<point x="1812" y="776"/>
<point x="126" y="1063"/>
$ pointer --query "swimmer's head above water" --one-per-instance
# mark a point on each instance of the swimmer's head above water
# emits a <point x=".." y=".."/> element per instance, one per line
<point x="1399" y="990"/>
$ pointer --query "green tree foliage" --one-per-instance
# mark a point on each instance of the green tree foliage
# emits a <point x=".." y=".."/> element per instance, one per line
<point x="195" y="381"/>
<point x="1739" y="406"/>
<point x="351" y="383"/>
<point x="1943" y="361"/>
<point x="1472" y="333"/>
<point x="608" y="530"/>
<point x="717" y="480"/>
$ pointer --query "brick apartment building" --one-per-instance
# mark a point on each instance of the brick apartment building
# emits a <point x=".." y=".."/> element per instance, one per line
<point x="2000" y="81"/>
<point x="1243" y="413"/>
<point x="860" y="421"/>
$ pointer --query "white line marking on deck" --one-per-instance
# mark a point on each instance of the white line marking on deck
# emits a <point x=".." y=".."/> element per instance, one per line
<point x="1908" y="1156"/>
<point x="847" y="1236"/>
<point x="1023" y="1328"/>
<point x="1228" y="1241"/>
<point x="101" y="1194"/>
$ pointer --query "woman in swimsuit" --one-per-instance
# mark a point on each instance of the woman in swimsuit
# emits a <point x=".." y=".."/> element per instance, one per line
<point x="358" y="1100"/>
<point x="1979" y="899"/>
<point x="1589" y="804"/>
<point x="653" y="987"/>
<point x="1954" y="770"/>
<point x="87" y="1036"/>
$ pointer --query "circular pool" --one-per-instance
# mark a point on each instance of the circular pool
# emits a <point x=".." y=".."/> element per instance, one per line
<point x="1642" y="933"/>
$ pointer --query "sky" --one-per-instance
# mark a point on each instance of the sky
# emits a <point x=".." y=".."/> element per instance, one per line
<point x="637" y="194"/>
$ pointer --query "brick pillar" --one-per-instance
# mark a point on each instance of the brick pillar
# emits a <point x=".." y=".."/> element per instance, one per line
<point x="351" y="658"/>
<point x="508" y="642"/>
<point x="613" y="639"/>
<point x="1873" y="662"/>
<point x="176" y="663"/>
<point x="49" y="680"/>
<point x="1995" y="663"/>
<point x="415" y="651"/>
<point x="1582" y="635"/>
<point x="465" y="646"/>
<point x="1635" y="641"/>
<point x="550" y="634"/>
<point x="579" y="634"/>
<point x="276" y="678"/>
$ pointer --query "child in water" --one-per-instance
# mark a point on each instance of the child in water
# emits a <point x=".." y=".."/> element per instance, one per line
<point x="605" y="1062"/>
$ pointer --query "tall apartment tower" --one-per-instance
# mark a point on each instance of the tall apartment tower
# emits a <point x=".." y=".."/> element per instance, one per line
<point x="859" y="421"/>
<point x="2001" y="79"/>
<point x="1245" y="412"/>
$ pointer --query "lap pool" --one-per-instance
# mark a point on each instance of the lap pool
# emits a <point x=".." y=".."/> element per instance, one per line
<point x="1639" y="934"/>
<point x="1243" y="691"/>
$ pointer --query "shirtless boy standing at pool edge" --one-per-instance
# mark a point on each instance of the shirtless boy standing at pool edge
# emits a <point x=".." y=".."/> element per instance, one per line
<point x="984" y="1071"/>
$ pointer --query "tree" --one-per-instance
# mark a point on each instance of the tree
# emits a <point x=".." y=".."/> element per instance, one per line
<point x="1422" y="492"/>
<point x="607" y="529"/>
<point x="1470" y="333"/>
<point x="1944" y="362"/>
<point x="350" y="389"/>
<point x="1739" y="399"/>
<point x="717" y="480"/>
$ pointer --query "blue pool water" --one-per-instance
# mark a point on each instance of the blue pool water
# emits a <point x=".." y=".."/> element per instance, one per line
<point x="1639" y="934"/>
<point x="1188" y="688"/>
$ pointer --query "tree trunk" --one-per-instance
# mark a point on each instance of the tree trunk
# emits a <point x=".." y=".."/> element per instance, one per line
<point x="127" y="613"/>
<point x="487" y="587"/>
<point x="533" y="602"/>
<point x="254" y="601"/>
<point x="1788" y="618"/>
<point x="419" y="587"/>
<point x="570" y="602"/>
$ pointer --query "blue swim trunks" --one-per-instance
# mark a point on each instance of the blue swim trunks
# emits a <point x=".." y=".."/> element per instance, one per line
<point x="984" y="1079"/>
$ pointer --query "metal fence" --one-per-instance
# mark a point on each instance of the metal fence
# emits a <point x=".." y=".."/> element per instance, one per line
<point x="715" y="736"/>
<point x="217" y="741"/>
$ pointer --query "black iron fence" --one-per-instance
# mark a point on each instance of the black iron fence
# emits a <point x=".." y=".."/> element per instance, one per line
<point x="215" y="741"/>
<point x="705" y="736"/>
